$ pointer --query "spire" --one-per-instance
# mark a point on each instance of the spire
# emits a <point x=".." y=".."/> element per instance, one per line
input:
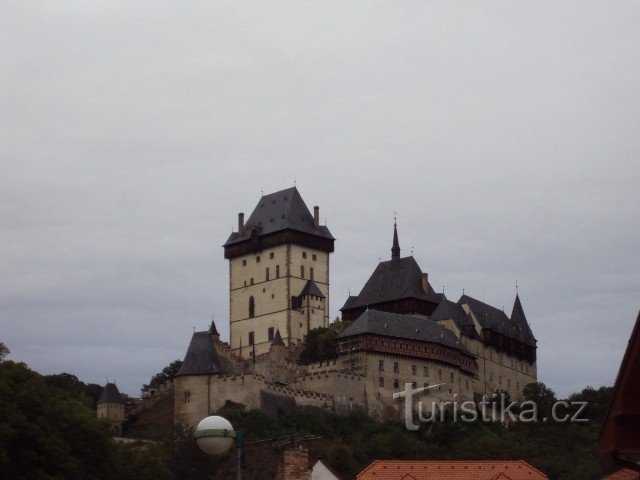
<point x="277" y="338"/>
<point x="517" y="314"/>
<point x="212" y="329"/>
<point x="395" y="249"/>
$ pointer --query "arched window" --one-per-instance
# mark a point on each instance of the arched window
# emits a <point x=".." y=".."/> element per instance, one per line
<point x="252" y="307"/>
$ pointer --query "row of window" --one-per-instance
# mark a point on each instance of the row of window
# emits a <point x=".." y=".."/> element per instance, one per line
<point x="270" y="335"/>
<point x="314" y="257"/>
<point x="267" y="274"/>
<point x="500" y="381"/>
<point x="414" y="385"/>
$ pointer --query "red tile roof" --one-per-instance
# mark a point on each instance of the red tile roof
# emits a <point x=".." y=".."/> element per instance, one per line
<point x="450" y="470"/>
<point x="624" y="474"/>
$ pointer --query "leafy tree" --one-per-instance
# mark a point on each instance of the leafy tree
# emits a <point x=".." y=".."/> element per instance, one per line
<point x="4" y="351"/>
<point x="167" y="373"/>
<point x="322" y="343"/>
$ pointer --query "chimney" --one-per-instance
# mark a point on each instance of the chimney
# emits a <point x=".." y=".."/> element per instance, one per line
<point x="241" y="223"/>
<point x="425" y="282"/>
<point x="316" y="217"/>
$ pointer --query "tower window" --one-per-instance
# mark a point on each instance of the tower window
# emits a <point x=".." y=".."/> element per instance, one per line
<point x="304" y="254"/>
<point x="270" y="333"/>
<point x="271" y="255"/>
<point x="258" y="259"/>
<point x="381" y="382"/>
<point x="414" y="370"/>
<point x="244" y="263"/>
<point x="311" y="273"/>
<point x="302" y="271"/>
<point x="252" y="307"/>
<point x="267" y="274"/>
<point x="381" y="365"/>
<point x="439" y="374"/>
<point x="425" y="371"/>
<point x="277" y="271"/>
<point x="396" y="383"/>
<point x="396" y="367"/>
<point x="251" y="281"/>
<point x="187" y="396"/>
<point x="251" y="338"/>
<point x="314" y="257"/>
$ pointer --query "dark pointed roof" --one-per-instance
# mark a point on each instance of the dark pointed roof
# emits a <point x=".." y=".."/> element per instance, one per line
<point x="279" y="211"/>
<point x="212" y="329"/>
<point x="492" y="318"/>
<point x="393" y="280"/>
<point x="402" y="326"/>
<point x="201" y="357"/>
<point x="518" y="317"/>
<point x="619" y="430"/>
<point x="448" y="310"/>
<point x="311" y="288"/>
<point x="395" y="247"/>
<point x="277" y="339"/>
<point x="110" y="394"/>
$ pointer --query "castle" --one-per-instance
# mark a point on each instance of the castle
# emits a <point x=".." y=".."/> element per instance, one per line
<point x="399" y="329"/>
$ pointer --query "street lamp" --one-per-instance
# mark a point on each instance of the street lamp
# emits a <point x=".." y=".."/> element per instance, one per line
<point x="215" y="435"/>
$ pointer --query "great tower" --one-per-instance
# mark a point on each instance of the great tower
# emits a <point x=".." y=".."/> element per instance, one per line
<point x="278" y="273"/>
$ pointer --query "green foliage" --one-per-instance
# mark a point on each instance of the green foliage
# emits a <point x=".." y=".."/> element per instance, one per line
<point x="165" y="375"/>
<point x="4" y="351"/>
<point x="322" y="343"/>
<point x="88" y="393"/>
<point x="46" y="433"/>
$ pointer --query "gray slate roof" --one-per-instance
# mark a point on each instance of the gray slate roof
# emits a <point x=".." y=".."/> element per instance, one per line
<point x="110" y="394"/>
<point x="402" y="326"/>
<point x="448" y="310"/>
<point x="495" y="319"/>
<point x="311" y="288"/>
<point x="394" y="279"/>
<point x="277" y="339"/>
<point x="518" y="317"/>
<point x="283" y="210"/>
<point x="201" y="357"/>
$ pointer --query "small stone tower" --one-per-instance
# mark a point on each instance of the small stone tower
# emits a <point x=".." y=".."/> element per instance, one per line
<point x="111" y="407"/>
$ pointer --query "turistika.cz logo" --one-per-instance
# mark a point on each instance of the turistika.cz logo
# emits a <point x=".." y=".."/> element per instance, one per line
<point x="495" y="408"/>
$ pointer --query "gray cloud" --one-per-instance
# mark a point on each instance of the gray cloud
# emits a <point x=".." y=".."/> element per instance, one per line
<point x="504" y="135"/>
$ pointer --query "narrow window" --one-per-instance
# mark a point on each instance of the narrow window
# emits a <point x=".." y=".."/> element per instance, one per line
<point x="270" y="333"/>
<point x="396" y="383"/>
<point x="267" y="274"/>
<point x="425" y="371"/>
<point x="304" y="254"/>
<point x="252" y="307"/>
<point x="414" y="385"/>
<point x="314" y="257"/>
<point x="518" y="386"/>
<point x="381" y="365"/>
<point x="187" y="396"/>
<point x="311" y="272"/>
<point x="244" y="263"/>
<point x="251" y="281"/>
<point x="302" y="271"/>
<point x="381" y="382"/>
<point x="271" y="255"/>
<point x="396" y="367"/>
<point x="439" y="374"/>
<point x="251" y="338"/>
<point x="258" y="259"/>
<point x="414" y="370"/>
<point x="451" y="376"/>
<point x="491" y="376"/>
<point x="277" y="271"/>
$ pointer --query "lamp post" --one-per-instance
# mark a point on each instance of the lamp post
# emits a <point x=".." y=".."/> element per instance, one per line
<point x="215" y="435"/>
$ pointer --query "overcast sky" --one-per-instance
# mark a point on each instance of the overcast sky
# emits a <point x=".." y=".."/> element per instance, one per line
<point x="504" y="134"/>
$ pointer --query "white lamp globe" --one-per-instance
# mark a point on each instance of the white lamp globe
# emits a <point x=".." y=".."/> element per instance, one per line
<point x="214" y="435"/>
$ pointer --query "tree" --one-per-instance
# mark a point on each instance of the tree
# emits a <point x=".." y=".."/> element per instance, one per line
<point x="167" y="374"/>
<point x="4" y="351"/>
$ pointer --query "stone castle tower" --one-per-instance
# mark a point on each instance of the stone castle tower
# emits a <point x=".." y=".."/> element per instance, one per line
<point x="278" y="274"/>
<point x="111" y="406"/>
